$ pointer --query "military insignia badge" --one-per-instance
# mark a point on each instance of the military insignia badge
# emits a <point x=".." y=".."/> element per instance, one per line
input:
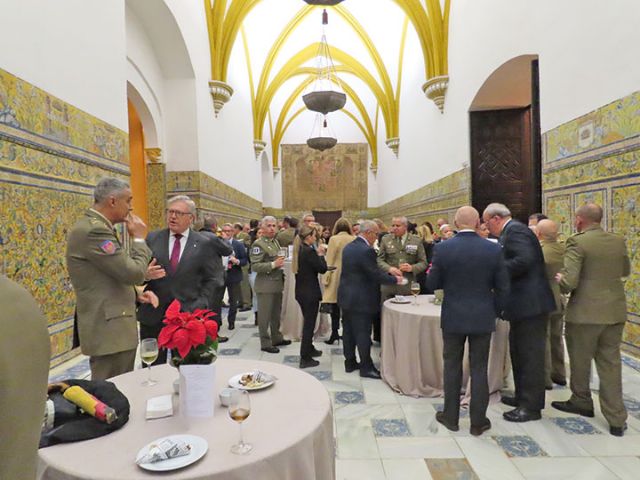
<point x="411" y="249"/>
<point x="108" y="247"/>
<point x="255" y="250"/>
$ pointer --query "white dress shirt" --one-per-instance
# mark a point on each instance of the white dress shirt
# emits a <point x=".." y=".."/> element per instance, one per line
<point x="183" y="242"/>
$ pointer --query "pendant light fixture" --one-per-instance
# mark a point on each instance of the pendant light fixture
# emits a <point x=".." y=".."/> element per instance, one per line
<point x="322" y="137"/>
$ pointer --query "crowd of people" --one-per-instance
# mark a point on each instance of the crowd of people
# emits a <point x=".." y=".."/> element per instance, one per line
<point x="489" y="266"/>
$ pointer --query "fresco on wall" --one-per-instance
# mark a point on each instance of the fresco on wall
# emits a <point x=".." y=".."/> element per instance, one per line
<point x="335" y="179"/>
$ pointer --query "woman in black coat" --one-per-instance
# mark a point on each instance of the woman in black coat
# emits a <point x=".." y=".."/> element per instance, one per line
<point x="310" y="263"/>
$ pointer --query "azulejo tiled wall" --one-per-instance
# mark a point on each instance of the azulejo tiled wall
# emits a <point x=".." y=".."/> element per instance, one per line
<point x="435" y="200"/>
<point x="213" y="196"/>
<point x="596" y="158"/>
<point x="156" y="195"/>
<point x="51" y="156"/>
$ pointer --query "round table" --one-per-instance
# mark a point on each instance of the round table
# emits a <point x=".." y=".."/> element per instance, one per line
<point x="290" y="427"/>
<point x="412" y="349"/>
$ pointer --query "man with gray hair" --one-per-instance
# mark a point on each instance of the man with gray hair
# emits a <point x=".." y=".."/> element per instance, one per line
<point x="103" y="274"/>
<point x="526" y="308"/>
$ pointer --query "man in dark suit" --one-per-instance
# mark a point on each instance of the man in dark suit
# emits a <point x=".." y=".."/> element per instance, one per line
<point x="359" y="298"/>
<point x="233" y="273"/>
<point x="472" y="273"/>
<point x="527" y="307"/>
<point x="185" y="256"/>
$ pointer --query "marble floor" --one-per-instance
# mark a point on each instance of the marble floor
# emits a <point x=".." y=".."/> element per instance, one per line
<point x="383" y="435"/>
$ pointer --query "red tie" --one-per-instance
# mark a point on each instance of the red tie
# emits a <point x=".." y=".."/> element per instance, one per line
<point x="175" y="253"/>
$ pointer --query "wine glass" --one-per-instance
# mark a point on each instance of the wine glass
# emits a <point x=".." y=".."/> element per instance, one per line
<point x="149" y="354"/>
<point x="283" y="252"/>
<point x="239" y="410"/>
<point x="415" y="290"/>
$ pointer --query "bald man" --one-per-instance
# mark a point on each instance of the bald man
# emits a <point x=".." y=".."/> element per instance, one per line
<point x="473" y="275"/>
<point x="553" y="252"/>
<point x="595" y="262"/>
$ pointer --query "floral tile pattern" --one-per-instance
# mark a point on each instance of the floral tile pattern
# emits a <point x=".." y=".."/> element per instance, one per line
<point x="576" y="426"/>
<point x="336" y="351"/>
<point x="633" y="405"/>
<point x="349" y="397"/>
<point x="321" y="375"/>
<point x="81" y="370"/>
<point x="229" y="351"/>
<point x="292" y="359"/>
<point x="395" y="427"/>
<point x="520" y="446"/>
<point x="631" y="362"/>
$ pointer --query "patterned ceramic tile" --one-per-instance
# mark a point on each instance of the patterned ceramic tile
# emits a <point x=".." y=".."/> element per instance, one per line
<point x="321" y="375"/>
<point x="633" y="405"/>
<point x="450" y="469"/>
<point x="156" y="195"/>
<point x="520" y="446"/>
<point x="248" y="326"/>
<point x="292" y="359"/>
<point x="395" y="427"/>
<point x="558" y="209"/>
<point x="349" y="397"/>
<point x="631" y="362"/>
<point x="229" y="351"/>
<point x="575" y="425"/>
<point x="464" y="412"/>
<point x="81" y="370"/>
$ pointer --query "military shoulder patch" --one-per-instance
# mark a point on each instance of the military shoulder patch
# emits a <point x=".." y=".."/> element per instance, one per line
<point x="255" y="250"/>
<point x="108" y="247"/>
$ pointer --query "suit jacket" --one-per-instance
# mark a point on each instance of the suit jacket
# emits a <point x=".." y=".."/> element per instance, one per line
<point x="234" y="273"/>
<point x="217" y="249"/>
<point x="192" y="283"/>
<point x="285" y="237"/>
<point x="530" y="293"/>
<point x="24" y="368"/>
<point x="472" y="273"/>
<point x="360" y="280"/>
<point x="103" y="275"/>
<point x="553" y="260"/>
<point x="331" y="279"/>
<point x="594" y="263"/>
<point x="310" y="265"/>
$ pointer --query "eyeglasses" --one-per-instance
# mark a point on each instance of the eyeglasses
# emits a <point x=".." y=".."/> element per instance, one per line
<point x="226" y="230"/>
<point x="177" y="213"/>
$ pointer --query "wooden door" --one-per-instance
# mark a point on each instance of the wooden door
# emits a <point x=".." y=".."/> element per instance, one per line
<point x="327" y="219"/>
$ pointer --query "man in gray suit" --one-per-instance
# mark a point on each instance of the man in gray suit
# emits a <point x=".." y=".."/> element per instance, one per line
<point x="185" y="256"/>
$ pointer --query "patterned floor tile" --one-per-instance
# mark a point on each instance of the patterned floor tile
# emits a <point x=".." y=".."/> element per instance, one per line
<point x="450" y="469"/>
<point x="349" y="397"/>
<point x="633" y="405"/>
<point x="520" y="446"/>
<point x="256" y="334"/>
<point x="321" y="375"/>
<point x="229" y="351"/>
<point x="292" y="359"/>
<point x="395" y="427"/>
<point x="81" y="370"/>
<point x="575" y="426"/>
<point x="631" y="362"/>
<point x="464" y="412"/>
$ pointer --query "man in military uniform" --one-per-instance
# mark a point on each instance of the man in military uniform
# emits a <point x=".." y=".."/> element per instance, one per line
<point x="594" y="264"/>
<point x="267" y="263"/>
<point x="286" y="236"/>
<point x="400" y="254"/>
<point x="245" y="287"/>
<point x="553" y="251"/>
<point x="103" y="275"/>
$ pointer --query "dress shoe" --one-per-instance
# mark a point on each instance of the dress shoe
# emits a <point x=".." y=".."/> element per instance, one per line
<point x="477" y="430"/>
<point x="450" y="426"/>
<point x="282" y="343"/>
<point x="372" y="372"/>
<point x="334" y="337"/>
<point x="244" y="309"/>
<point x="571" y="408"/>
<point x="559" y="381"/>
<point x="222" y="339"/>
<point x="351" y="367"/>
<point x="232" y="326"/>
<point x="511" y="401"/>
<point x="548" y="387"/>
<point x="308" y="363"/>
<point x="270" y="349"/>
<point x="521" y="414"/>
<point x="316" y="353"/>
<point x="618" y="431"/>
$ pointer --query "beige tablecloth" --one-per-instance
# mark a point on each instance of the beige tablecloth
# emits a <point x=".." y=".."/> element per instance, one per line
<point x="290" y="427"/>
<point x="412" y="349"/>
<point x="291" y="320"/>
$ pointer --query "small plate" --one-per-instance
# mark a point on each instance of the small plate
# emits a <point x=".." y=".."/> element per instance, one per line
<point x="199" y="447"/>
<point x="235" y="382"/>
<point x="403" y="301"/>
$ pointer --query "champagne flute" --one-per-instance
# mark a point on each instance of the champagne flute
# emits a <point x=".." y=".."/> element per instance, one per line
<point x="149" y="354"/>
<point x="239" y="410"/>
<point x="415" y="290"/>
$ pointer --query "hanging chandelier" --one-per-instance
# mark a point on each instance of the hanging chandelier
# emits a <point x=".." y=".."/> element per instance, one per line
<point x="327" y="3"/>
<point x="322" y="137"/>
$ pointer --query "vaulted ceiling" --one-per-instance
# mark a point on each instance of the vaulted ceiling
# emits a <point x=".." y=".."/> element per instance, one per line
<point x="367" y="41"/>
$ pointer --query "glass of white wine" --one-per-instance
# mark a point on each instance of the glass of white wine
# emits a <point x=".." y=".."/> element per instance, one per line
<point x="149" y="354"/>
<point x="415" y="290"/>
<point x="239" y="410"/>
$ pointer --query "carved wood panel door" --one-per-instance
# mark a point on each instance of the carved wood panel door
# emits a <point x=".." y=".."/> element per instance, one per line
<point x="503" y="165"/>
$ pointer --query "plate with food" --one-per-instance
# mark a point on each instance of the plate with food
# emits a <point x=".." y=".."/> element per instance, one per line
<point x="171" y="453"/>
<point x="400" y="299"/>
<point x="255" y="380"/>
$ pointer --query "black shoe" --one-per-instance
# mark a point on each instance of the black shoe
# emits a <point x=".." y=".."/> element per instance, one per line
<point x="441" y="419"/>
<point x="282" y="343"/>
<point x="618" y="431"/>
<point x="334" y="337"/>
<point x="548" y="387"/>
<point x="224" y="305"/>
<point x="571" y="408"/>
<point x="270" y="349"/>
<point x="244" y="309"/>
<point x="222" y="339"/>
<point x="521" y="414"/>
<point x="371" y="372"/>
<point x="316" y="353"/>
<point x="559" y="381"/>
<point x="255" y="319"/>
<point x="351" y="367"/>
<point x="232" y="326"/>
<point x="511" y="401"/>
<point x="477" y="430"/>
<point x="308" y="363"/>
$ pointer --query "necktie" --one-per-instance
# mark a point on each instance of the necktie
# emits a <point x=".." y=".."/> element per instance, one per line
<point x="175" y="253"/>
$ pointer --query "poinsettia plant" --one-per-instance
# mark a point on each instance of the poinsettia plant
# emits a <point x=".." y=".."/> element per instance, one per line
<point x="192" y="336"/>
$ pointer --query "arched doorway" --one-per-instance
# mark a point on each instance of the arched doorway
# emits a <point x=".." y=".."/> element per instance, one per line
<point x="137" y="163"/>
<point x="505" y="139"/>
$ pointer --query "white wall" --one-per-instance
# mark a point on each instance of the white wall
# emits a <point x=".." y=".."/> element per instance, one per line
<point x="588" y="58"/>
<point x="74" y="51"/>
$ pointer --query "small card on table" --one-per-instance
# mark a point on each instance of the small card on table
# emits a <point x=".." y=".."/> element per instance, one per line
<point x="159" y="407"/>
